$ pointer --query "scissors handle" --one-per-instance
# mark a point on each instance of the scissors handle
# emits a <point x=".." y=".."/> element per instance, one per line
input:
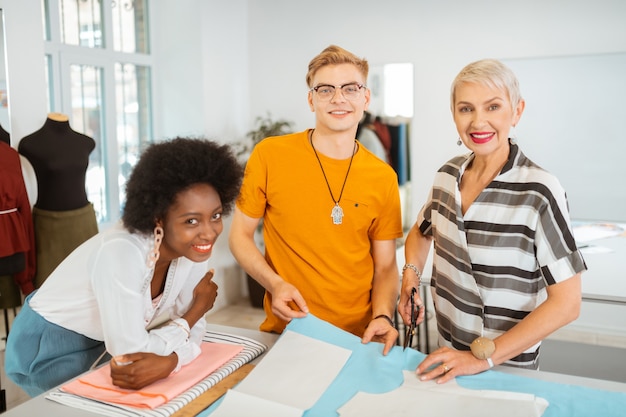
<point x="410" y="332"/>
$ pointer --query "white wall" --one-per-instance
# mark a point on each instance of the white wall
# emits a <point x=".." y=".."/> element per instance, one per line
<point x="439" y="38"/>
<point x="201" y="89"/>
<point x="574" y="124"/>
<point x="220" y="64"/>
<point x="25" y="66"/>
<point x="176" y="35"/>
<point x="25" y="74"/>
<point x="201" y="68"/>
<point x="4" y="111"/>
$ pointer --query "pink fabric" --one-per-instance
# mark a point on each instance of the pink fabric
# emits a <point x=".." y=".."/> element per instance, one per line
<point x="97" y="384"/>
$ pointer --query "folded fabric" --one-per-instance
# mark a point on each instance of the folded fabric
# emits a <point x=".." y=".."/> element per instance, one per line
<point x="97" y="384"/>
<point x="251" y="349"/>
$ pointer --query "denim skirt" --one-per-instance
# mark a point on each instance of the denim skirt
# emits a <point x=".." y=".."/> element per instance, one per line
<point x="41" y="355"/>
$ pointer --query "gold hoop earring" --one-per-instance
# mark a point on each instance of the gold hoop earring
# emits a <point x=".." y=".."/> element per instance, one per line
<point x="154" y="254"/>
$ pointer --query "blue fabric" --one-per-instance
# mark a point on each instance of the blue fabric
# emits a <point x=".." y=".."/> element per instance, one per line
<point x="369" y="371"/>
<point x="41" y="355"/>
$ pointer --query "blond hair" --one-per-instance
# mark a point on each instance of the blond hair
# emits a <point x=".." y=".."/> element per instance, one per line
<point x="335" y="55"/>
<point x="491" y="73"/>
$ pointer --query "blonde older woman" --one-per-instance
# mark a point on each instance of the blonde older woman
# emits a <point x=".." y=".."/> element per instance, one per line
<point x="506" y="268"/>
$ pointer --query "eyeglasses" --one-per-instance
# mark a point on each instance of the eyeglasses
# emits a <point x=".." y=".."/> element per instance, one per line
<point x="351" y="91"/>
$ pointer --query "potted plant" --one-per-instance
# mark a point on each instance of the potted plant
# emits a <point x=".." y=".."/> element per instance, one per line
<point x="264" y="127"/>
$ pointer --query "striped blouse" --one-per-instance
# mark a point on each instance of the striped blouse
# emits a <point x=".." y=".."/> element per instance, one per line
<point x="492" y="265"/>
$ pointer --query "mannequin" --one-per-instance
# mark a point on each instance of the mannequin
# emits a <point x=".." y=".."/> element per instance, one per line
<point x="17" y="246"/>
<point x="63" y="216"/>
<point x="4" y="136"/>
<point x="59" y="157"/>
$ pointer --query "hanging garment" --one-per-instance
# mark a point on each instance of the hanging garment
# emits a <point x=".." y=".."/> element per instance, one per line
<point x="16" y="222"/>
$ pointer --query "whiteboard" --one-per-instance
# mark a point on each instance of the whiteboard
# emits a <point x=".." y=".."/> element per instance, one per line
<point x="574" y="126"/>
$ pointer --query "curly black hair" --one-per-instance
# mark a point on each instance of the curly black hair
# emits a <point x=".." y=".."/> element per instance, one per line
<point x="167" y="168"/>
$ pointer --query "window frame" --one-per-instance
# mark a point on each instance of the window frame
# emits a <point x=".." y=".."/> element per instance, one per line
<point x="61" y="56"/>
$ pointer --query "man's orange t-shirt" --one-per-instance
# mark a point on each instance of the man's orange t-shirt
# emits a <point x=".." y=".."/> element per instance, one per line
<point x="330" y="264"/>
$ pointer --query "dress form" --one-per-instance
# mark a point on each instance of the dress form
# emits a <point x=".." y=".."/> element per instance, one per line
<point x="5" y="136"/>
<point x="62" y="215"/>
<point x="59" y="156"/>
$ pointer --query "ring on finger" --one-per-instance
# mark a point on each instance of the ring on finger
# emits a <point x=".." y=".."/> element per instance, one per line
<point x="445" y="368"/>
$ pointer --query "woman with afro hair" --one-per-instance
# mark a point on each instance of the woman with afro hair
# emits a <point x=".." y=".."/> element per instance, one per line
<point x="137" y="292"/>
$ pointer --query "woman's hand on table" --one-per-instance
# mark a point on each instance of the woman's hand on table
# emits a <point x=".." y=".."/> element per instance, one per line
<point x="137" y="370"/>
<point x="445" y="364"/>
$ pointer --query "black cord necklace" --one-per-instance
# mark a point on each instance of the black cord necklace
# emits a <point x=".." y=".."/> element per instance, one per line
<point x="337" y="211"/>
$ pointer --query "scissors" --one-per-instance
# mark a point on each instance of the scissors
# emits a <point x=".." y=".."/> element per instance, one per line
<point x="412" y="329"/>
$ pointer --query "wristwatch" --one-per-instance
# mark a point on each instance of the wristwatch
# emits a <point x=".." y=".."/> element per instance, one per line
<point x="483" y="348"/>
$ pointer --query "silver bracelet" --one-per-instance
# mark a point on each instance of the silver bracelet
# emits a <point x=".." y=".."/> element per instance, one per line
<point x="414" y="269"/>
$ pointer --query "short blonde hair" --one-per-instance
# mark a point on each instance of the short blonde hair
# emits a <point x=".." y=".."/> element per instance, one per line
<point x="335" y="55"/>
<point x="489" y="72"/>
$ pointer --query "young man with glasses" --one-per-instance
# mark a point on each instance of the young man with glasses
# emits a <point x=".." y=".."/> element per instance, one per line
<point x="330" y="210"/>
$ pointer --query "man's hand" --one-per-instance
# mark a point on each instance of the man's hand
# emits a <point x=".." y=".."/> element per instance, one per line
<point x="287" y="302"/>
<point x="380" y="330"/>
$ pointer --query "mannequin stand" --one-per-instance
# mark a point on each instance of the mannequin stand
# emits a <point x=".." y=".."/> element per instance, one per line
<point x="10" y="298"/>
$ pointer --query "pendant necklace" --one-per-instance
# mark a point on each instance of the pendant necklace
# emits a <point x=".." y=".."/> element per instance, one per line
<point x="337" y="212"/>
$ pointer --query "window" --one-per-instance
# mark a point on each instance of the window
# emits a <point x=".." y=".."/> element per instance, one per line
<point x="99" y="74"/>
<point x="132" y="83"/>
<point x="81" y="23"/>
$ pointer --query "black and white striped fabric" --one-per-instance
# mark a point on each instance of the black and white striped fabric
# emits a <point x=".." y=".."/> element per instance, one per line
<point x="251" y="349"/>
<point x="492" y="264"/>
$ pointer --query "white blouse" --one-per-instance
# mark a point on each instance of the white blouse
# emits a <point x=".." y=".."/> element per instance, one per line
<point x="102" y="291"/>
